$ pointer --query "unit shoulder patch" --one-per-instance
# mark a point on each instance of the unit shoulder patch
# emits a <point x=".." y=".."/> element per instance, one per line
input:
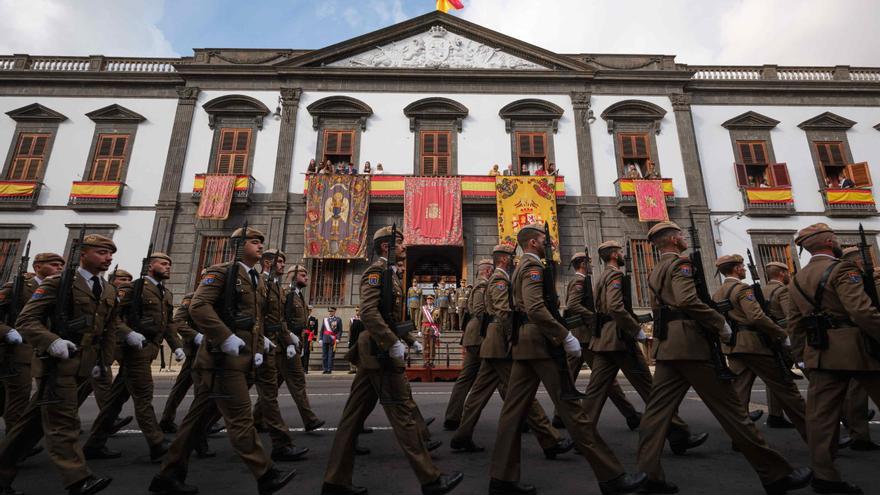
<point x="373" y="279"/>
<point x="39" y="293"/>
<point x="501" y="285"/>
<point x="536" y="274"/>
<point x="686" y="269"/>
<point x="854" y="277"/>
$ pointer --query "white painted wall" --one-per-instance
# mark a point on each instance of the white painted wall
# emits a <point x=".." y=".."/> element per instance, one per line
<point x="605" y="163"/>
<point x="70" y="153"/>
<point x="482" y="142"/>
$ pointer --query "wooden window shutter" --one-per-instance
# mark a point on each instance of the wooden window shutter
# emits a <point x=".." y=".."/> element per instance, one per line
<point x="745" y="152"/>
<point x="831" y="153"/>
<point x="779" y="175"/>
<point x="331" y="142"/>
<point x="538" y="144"/>
<point x="442" y="165"/>
<point x="109" y="156"/>
<point x="428" y="143"/>
<point x="641" y="145"/>
<point x="28" y="159"/>
<point x="859" y="174"/>
<point x="234" y="151"/>
<point x="436" y="153"/>
<point x="742" y="177"/>
<point x="634" y="146"/>
<point x="753" y="152"/>
<point x="345" y="142"/>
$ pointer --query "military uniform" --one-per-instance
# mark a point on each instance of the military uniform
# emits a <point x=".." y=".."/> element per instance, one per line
<point x="683" y="361"/>
<point x="850" y="320"/>
<point x="414" y="302"/>
<point x="751" y="356"/>
<point x="443" y="306"/>
<point x="428" y="329"/>
<point x="461" y="296"/>
<point x="182" y="325"/>
<point x="470" y="364"/>
<point x="17" y="358"/>
<point x="776" y="294"/>
<point x="60" y="421"/>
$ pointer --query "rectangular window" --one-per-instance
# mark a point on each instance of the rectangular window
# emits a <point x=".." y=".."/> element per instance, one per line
<point x="338" y="147"/>
<point x="233" y="151"/>
<point x="531" y="149"/>
<point x="327" y="282"/>
<point x="30" y="152"/>
<point x="775" y="252"/>
<point x="436" y="155"/>
<point x="109" y="157"/>
<point x="772" y="175"/>
<point x="634" y="150"/>
<point x="8" y="251"/>
<point x="644" y="257"/>
<point x="215" y="249"/>
<point x="832" y="162"/>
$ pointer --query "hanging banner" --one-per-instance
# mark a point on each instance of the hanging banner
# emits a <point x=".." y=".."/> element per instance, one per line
<point x="336" y="216"/>
<point x="216" y="197"/>
<point x="849" y="196"/>
<point x="432" y="211"/>
<point x="522" y="200"/>
<point x="650" y="200"/>
<point x="769" y="195"/>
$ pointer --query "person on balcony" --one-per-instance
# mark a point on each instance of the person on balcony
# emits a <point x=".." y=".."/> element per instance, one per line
<point x="352" y="169"/>
<point x="495" y="171"/>
<point x="651" y="170"/>
<point x="379" y="170"/>
<point x="847" y="183"/>
<point x="368" y="170"/>
<point x="551" y="169"/>
<point x="327" y="168"/>
<point x="509" y="170"/>
<point x="633" y="172"/>
<point x="313" y="168"/>
<point x="763" y="183"/>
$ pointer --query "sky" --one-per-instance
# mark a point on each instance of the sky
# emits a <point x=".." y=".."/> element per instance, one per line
<point x="699" y="32"/>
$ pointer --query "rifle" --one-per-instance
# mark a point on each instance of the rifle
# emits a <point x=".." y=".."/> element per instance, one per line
<point x="568" y="390"/>
<point x="134" y="314"/>
<point x="7" y="367"/>
<point x="783" y="360"/>
<point x="870" y="287"/>
<point x="62" y="324"/>
<point x="626" y="291"/>
<point x="386" y="309"/>
<point x="722" y="371"/>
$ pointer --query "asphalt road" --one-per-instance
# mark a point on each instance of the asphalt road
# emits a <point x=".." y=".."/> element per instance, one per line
<point x="713" y="468"/>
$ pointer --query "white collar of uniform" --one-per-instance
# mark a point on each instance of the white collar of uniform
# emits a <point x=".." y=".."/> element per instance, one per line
<point x="579" y="274"/>
<point x="151" y="279"/>
<point x="38" y="280"/>
<point x="533" y="255"/>
<point x="247" y="268"/>
<point x="386" y="262"/>
<point x="86" y="275"/>
<point x="735" y="279"/>
<point x="502" y="270"/>
<point x="670" y="253"/>
<point x="824" y="256"/>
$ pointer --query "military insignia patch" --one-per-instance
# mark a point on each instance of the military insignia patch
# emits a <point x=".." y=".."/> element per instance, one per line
<point x="208" y="280"/>
<point x="854" y="277"/>
<point x="373" y="279"/>
<point x="750" y="296"/>
<point x="536" y="275"/>
<point x="686" y="270"/>
<point x="615" y="284"/>
<point x="39" y="293"/>
<point x="500" y="285"/>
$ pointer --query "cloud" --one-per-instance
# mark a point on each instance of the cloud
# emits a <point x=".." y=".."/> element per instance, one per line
<point x="83" y="27"/>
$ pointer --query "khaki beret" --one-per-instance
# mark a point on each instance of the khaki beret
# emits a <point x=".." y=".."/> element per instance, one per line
<point x="503" y="249"/>
<point x="122" y="273"/>
<point x="252" y="233"/>
<point x="276" y="253"/>
<point x="728" y="258"/>
<point x="609" y="245"/>
<point x="99" y="241"/>
<point x="539" y="227"/>
<point x="577" y="256"/>
<point x="386" y="232"/>
<point x="851" y="253"/>
<point x="297" y="268"/>
<point x="48" y="258"/>
<point x="777" y="265"/>
<point x="160" y="256"/>
<point x="486" y="261"/>
<point x="811" y="231"/>
<point x="660" y="227"/>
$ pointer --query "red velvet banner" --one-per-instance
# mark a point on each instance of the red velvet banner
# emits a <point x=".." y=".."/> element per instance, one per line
<point x="651" y="200"/>
<point x="432" y="211"/>
<point x="216" y="197"/>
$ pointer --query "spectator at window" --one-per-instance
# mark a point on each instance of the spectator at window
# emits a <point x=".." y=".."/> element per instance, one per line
<point x="541" y="170"/>
<point x="367" y="169"/>
<point x="847" y="183"/>
<point x="379" y="170"/>
<point x="828" y="183"/>
<point x="313" y="168"/>
<point x="633" y="172"/>
<point x="651" y="170"/>
<point x="509" y="170"/>
<point x="327" y="168"/>
<point x="341" y="168"/>
<point x="352" y="169"/>
<point x="551" y="168"/>
<point x="494" y="170"/>
<point x="764" y="183"/>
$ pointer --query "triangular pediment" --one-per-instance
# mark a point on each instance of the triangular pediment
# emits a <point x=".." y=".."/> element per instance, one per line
<point x="437" y="41"/>
<point x="35" y="113"/>
<point x="750" y="120"/>
<point x="115" y="113"/>
<point x="827" y="121"/>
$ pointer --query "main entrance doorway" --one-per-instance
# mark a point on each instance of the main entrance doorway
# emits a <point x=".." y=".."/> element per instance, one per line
<point x="429" y="265"/>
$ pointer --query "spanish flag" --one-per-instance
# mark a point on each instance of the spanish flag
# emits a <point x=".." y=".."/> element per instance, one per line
<point x="445" y="5"/>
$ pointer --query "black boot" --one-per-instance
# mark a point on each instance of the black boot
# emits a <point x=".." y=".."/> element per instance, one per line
<point x="289" y="454"/>
<point x="681" y="445"/>
<point x="778" y="422"/>
<point x="444" y="484"/>
<point x="101" y="452"/>
<point x="658" y="486"/>
<point x="498" y="487"/>
<point x="465" y="446"/>
<point x="274" y="480"/>
<point x="822" y="486"/>
<point x="625" y="483"/>
<point x="168" y="426"/>
<point x="558" y="423"/>
<point x="171" y="486"/>
<point x="633" y="422"/>
<point x="755" y="415"/>
<point x="333" y="489"/>
<point x="90" y="485"/>
<point x="797" y="479"/>
<point x="432" y="445"/>
<point x="561" y="447"/>
<point x="158" y="451"/>
<point x="314" y="426"/>
<point x="864" y="445"/>
<point x="119" y="424"/>
<point x="450" y="425"/>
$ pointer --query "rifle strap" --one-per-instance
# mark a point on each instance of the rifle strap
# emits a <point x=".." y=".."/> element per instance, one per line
<point x="730" y="292"/>
<point x="659" y="290"/>
<point x="820" y="290"/>
<point x="772" y="294"/>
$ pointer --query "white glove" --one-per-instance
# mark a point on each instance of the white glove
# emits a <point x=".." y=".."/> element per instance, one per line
<point x="135" y="339"/>
<point x="419" y="334"/>
<point x="258" y="360"/>
<point x="397" y="350"/>
<point x="232" y="345"/>
<point x="179" y="355"/>
<point x="291" y="351"/>
<point x="96" y="371"/>
<point x="13" y="337"/>
<point x="726" y="333"/>
<point x="295" y="339"/>
<point x="571" y="345"/>
<point x="787" y="342"/>
<point x="641" y="337"/>
<point x="801" y="365"/>
<point x="61" y="349"/>
<point x="198" y="339"/>
<point x="268" y="345"/>
<point x="418" y="347"/>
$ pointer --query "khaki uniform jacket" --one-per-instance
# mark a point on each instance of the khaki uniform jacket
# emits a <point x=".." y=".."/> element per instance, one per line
<point x="420" y="317"/>
<point x="750" y="319"/>
<point x="461" y="297"/>
<point x="476" y="305"/>
<point x="24" y="352"/>
<point x="376" y="331"/>
<point x="496" y="345"/>
<point x="844" y="299"/>
<point x="528" y="298"/>
<point x="205" y="311"/>
<point x="575" y="305"/>
<point x="414" y="298"/>
<point x="777" y="300"/>
<point x="96" y="340"/>
<point x="299" y="310"/>
<point x="273" y="315"/>
<point x="609" y="301"/>
<point x="442" y="299"/>
<point x="182" y="324"/>
<point x="672" y="282"/>
<point x="157" y="308"/>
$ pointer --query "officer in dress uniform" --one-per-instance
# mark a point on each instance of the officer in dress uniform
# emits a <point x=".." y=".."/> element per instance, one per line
<point x="220" y="373"/>
<point x="533" y="365"/>
<point x="683" y="360"/>
<point x="76" y="356"/>
<point x="414" y="300"/>
<point x="461" y="296"/>
<point x="833" y="324"/>
<point x="379" y="357"/>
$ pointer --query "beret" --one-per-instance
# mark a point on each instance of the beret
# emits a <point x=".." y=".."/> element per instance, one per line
<point x="728" y="258"/>
<point x="609" y="245"/>
<point x="504" y="249"/>
<point x="660" y="227"/>
<point x="48" y="258"/>
<point x="777" y="265"/>
<point x="252" y="233"/>
<point x="386" y="232"/>
<point x="160" y="256"/>
<point x="99" y="241"/>
<point x="813" y="230"/>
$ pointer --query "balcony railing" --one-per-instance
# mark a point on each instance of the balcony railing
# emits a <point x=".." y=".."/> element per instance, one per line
<point x="768" y="201"/>
<point x="777" y="73"/>
<point x="94" y="63"/>
<point x="852" y="202"/>
<point x="19" y="194"/>
<point x="241" y="194"/>
<point x="95" y="195"/>
<point x="625" y="189"/>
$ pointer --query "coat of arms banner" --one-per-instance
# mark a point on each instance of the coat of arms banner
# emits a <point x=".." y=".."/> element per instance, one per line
<point x="651" y="201"/>
<point x="522" y="200"/>
<point x="336" y="216"/>
<point x="432" y="211"/>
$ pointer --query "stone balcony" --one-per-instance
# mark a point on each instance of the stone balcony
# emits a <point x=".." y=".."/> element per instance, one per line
<point x="19" y="194"/>
<point x="95" y="196"/>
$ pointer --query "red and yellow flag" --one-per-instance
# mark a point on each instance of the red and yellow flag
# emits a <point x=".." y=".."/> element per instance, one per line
<point x="445" y="5"/>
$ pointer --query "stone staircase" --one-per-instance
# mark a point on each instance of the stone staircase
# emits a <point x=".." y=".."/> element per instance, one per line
<point x="448" y="353"/>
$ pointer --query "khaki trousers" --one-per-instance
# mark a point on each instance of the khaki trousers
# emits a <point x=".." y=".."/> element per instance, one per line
<point x="672" y="379"/>
<point x="291" y="372"/>
<point x="494" y="375"/>
<point x="178" y="391"/>
<point x="365" y="390"/>
<point x="470" y="366"/>
<point x="525" y="376"/>
<point x="236" y="412"/>
<point x="857" y="412"/>
<point x="786" y="392"/>
<point x="101" y="386"/>
<point x="266" y="382"/>
<point x="615" y="393"/>
<point x="825" y="402"/>
<point x="17" y="394"/>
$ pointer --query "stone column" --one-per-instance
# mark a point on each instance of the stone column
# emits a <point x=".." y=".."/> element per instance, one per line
<point x="283" y="166"/>
<point x="588" y="208"/>
<point x="166" y="208"/>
